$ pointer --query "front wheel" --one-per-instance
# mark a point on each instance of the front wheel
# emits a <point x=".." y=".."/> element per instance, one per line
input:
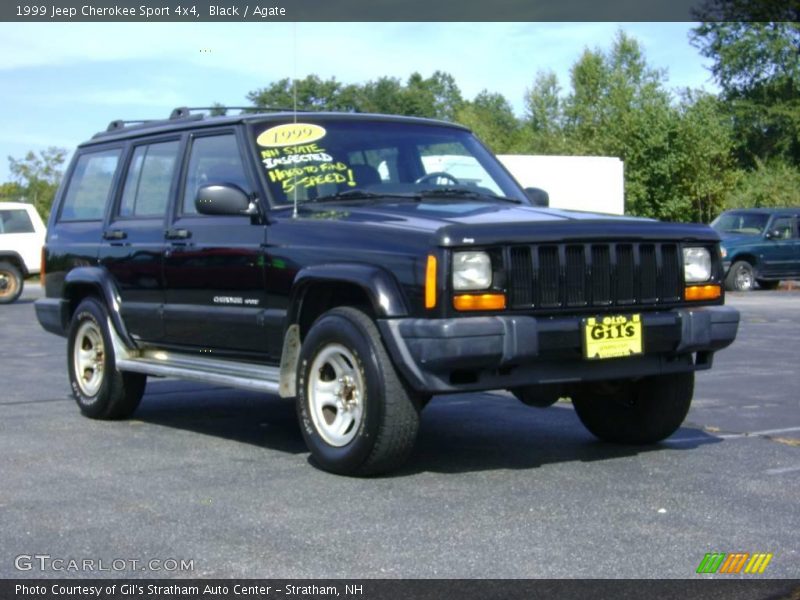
<point x="645" y="411"/>
<point x="101" y="391"/>
<point x="11" y="283"/>
<point x="356" y="415"/>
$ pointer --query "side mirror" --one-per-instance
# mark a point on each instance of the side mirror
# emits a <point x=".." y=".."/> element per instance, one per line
<point x="222" y="199"/>
<point x="538" y="196"/>
<point x="775" y="234"/>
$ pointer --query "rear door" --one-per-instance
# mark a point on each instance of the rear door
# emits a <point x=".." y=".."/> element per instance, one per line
<point x="214" y="265"/>
<point x="133" y="238"/>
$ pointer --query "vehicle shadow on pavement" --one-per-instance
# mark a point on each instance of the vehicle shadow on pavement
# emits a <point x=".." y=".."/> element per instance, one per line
<point x="24" y="300"/>
<point x="496" y="431"/>
<point x="464" y="433"/>
<point x="248" y="417"/>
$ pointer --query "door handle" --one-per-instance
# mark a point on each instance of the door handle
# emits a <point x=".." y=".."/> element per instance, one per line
<point x="178" y="234"/>
<point x="114" y="234"/>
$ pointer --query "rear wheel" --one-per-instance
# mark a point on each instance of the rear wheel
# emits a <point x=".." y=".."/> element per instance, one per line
<point x="101" y="391"/>
<point x="644" y="411"/>
<point x="741" y="277"/>
<point x="356" y="415"/>
<point x="11" y="282"/>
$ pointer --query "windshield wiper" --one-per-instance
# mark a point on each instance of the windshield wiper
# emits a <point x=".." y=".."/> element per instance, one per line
<point x="361" y="195"/>
<point x="454" y="192"/>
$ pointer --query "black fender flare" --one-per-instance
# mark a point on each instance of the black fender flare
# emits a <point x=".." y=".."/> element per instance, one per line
<point x="15" y="256"/>
<point x="100" y="280"/>
<point x="379" y="285"/>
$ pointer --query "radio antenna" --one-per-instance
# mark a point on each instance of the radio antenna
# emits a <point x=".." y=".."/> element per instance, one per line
<point x="294" y="99"/>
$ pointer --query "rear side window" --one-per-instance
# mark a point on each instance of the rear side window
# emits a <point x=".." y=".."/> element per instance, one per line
<point x="213" y="159"/>
<point x="149" y="179"/>
<point x="89" y="186"/>
<point x="15" y="221"/>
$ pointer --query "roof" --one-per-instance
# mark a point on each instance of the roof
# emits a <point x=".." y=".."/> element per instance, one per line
<point x="182" y="119"/>
<point x="7" y="205"/>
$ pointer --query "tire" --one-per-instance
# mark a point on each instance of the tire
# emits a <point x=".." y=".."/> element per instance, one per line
<point x="355" y="413"/>
<point x="635" y="412"/>
<point x="101" y="391"/>
<point x="11" y="282"/>
<point x="768" y="284"/>
<point x="741" y="277"/>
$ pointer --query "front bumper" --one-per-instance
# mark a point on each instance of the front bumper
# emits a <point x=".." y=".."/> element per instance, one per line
<point x="496" y="352"/>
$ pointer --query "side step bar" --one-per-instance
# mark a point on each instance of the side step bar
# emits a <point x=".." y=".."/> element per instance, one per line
<point x="261" y="378"/>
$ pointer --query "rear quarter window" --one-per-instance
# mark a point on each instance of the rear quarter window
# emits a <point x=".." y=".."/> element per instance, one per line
<point x="89" y="186"/>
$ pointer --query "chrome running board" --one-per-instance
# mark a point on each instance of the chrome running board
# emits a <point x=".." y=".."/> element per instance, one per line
<point x="162" y="363"/>
<point x="260" y="378"/>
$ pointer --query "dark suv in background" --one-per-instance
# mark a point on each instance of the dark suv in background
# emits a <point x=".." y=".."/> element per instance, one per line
<point x="361" y="264"/>
<point x="759" y="245"/>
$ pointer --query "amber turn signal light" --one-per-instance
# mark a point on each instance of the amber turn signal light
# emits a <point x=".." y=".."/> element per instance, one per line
<point x="479" y="302"/>
<point x="430" y="282"/>
<point x="702" y="292"/>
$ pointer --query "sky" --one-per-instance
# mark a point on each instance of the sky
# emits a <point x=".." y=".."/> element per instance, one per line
<point x="62" y="82"/>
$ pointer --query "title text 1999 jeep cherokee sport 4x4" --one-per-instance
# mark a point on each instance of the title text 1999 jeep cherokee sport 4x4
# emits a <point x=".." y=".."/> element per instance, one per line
<point x="347" y="261"/>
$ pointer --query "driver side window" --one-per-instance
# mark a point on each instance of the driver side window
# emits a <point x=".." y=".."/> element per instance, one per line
<point x="213" y="159"/>
<point x="785" y="228"/>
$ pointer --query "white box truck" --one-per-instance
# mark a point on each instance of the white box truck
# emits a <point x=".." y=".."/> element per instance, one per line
<point x="589" y="183"/>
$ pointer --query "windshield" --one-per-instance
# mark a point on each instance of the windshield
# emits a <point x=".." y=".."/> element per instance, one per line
<point x="358" y="159"/>
<point x="743" y="223"/>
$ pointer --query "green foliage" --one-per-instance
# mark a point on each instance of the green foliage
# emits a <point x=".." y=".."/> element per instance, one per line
<point x="11" y="192"/>
<point x="774" y="184"/>
<point x="437" y="96"/>
<point x="755" y="47"/>
<point x="706" y="171"/>
<point x="37" y="177"/>
<point x="492" y="119"/>
<point x="544" y="123"/>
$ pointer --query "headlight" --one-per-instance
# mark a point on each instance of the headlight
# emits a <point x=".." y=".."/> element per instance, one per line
<point x="696" y="265"/>
<point x="471" y="271"/>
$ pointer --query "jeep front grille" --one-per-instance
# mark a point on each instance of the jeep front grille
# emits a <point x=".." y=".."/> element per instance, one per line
<point x="553" y="276"/>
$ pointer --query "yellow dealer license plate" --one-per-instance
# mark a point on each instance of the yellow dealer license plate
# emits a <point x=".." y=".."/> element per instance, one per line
<point x="612" y="336"/>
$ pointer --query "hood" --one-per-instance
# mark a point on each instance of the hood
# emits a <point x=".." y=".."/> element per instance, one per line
<point x="468" y="222"/>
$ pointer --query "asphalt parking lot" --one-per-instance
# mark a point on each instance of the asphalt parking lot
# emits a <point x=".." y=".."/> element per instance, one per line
<point x="494" y="489"/>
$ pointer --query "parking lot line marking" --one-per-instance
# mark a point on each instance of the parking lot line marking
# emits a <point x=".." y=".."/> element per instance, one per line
<point x="771" y="431"/>
<point x="782" y="470"/>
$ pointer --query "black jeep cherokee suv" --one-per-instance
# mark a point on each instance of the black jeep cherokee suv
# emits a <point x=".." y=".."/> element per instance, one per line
<point x="361" y="264"/>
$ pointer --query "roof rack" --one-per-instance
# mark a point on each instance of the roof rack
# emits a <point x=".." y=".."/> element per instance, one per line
<point x="189" y="114"/>
<point x="120" y="124"/>
<point x="184" y="111"/>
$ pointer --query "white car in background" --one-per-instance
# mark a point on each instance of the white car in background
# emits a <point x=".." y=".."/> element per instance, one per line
<point x="22" y="235"/>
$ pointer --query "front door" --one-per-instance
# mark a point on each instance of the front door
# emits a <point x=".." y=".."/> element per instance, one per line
<point x="214" y="265"/>
<point x="782" y="249"/>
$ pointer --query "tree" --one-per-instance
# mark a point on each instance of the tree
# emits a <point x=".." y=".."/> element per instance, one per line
<point x="706" y="172"/>
<point x="544" y="131"/>
<point x="11" y="192"/>
<point x="38" y="176"/>
<point x="773" y="184"/>
<point x="492" y="119"/>
<point x="619" y="106"/>
<point x="755" y="47"/>
<point x="312" y="93"/>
